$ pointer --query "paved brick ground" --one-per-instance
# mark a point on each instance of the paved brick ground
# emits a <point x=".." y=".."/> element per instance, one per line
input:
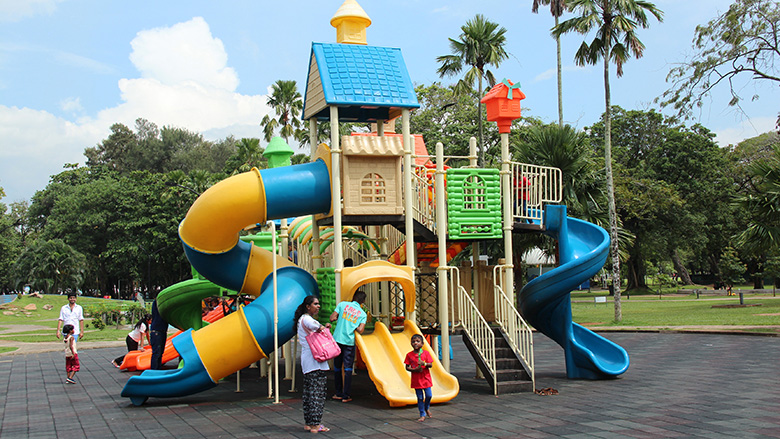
<point x="678" y="385"/>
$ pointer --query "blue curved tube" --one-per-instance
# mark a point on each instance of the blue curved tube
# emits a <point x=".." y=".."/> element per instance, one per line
<point x="545" y="302"/>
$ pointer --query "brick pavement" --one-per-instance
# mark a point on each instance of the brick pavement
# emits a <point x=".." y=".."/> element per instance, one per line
<point x="678" y="385"/>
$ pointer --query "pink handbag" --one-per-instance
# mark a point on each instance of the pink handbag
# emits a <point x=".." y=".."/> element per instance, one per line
<point x="323" y="346"/>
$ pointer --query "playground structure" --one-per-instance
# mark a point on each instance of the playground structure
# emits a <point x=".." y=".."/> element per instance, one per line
<point x="373" y="197"/>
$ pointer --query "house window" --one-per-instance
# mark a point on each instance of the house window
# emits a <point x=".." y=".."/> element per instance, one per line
<point x="373" y="189"/>
<point x="474" y="193"/>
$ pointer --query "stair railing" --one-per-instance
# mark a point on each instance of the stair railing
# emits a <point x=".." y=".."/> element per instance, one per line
<point x="521" y="338"/>
<point x="471" y="321"/>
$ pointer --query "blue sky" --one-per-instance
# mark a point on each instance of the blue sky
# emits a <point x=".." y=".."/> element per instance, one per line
<point x="69" y="69"/>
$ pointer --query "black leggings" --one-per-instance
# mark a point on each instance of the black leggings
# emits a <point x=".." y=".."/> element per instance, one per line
<point x="132" y="345"/>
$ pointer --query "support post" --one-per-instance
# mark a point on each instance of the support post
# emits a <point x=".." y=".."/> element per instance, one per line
<point x="441" y="226"/>
<point x="411" y="257"/>
<point x="506" y="189"/>
<point x="335" y="195"/>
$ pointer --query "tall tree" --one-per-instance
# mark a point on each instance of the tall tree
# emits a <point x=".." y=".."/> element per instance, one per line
<point x="556" y="9"/>
<point x="287" y="103"/>
<point x="447" y="117"/>
<point x="481" y="44"/>
<point x="612" y="21"/>
<point x="743" y="41"/>
<point x="50" y="266"/>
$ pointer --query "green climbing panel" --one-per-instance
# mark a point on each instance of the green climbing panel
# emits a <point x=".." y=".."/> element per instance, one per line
<point x="326" y="280"/>
<point x="474" y="203"/>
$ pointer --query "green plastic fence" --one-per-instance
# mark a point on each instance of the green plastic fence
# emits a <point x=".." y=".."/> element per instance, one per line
<point x="474" y="203"/>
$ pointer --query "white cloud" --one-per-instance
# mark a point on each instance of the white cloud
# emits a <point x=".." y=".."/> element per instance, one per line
<point x="181" y="53"/>
<point x="744" y="130"/>
<point x="35" y="145"/>
<point x="71" y="105"/>
<point x="15" y="10"/>
<point x="185" y="82"/>
<point x="552" y="73"/>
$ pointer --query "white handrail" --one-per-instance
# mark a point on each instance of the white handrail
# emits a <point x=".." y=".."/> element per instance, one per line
<point x="519" y="333"/>
<point x="531" y="187"/>
<point x="423" y="201"/>
<point x="472" y="322"/>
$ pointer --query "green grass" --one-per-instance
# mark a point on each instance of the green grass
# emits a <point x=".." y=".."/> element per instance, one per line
<point x="4" y="349"/>
<point x="678" y="313"/>
<point x="35" y="332"/>
<point x="48" y="318"/>
<point x="48" y="336"/>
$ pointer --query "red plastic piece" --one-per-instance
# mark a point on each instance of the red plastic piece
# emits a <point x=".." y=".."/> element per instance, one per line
<point x="503" y="104"/>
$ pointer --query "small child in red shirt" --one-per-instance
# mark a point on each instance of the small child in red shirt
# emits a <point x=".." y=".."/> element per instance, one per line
<point x="71" y="354"/>
<point x="419" y="363"/>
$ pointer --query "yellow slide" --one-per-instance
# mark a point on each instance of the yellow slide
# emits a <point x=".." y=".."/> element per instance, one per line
<point x="384" y="353"/>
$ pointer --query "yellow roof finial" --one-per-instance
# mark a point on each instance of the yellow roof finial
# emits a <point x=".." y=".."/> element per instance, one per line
<point x="350" y="22"/>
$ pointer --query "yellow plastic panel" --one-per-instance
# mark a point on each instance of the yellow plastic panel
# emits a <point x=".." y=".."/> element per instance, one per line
<point x="384" y="355"/>
<point x="226" y="346"/>
<point x="353" y="278"/>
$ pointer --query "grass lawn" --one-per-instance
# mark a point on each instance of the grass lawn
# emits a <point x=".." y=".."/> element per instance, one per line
<point x="679" y="312"/>
<point x="48" y="336"/>
<point x="7" y="349"/>
<point x="14" y="314"/>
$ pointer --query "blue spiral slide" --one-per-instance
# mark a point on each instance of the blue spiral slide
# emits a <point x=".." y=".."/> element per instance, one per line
<point x="545" y="302"/>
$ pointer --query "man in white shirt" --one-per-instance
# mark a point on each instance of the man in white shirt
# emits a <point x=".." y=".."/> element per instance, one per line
<point x="72" y="314"/>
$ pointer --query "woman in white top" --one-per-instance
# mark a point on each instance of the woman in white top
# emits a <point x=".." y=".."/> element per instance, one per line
<point x="135" y="339"/>
<point x="314" y="376"/>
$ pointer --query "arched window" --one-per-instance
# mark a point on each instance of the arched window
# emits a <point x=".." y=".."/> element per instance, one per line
<point x="474" y="193"/>
<point x="373" y="189"/>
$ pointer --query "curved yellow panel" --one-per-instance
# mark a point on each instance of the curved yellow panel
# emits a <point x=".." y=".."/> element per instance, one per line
<point x="353" y="278"/>
<point x="260" y="266"/>
<point x="245" y="190"/>
<point x="227" y="345"/>
<point x="384" y="355"/>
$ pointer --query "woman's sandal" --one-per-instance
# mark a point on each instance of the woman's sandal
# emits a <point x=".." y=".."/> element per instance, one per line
<point x="321" y="428"/>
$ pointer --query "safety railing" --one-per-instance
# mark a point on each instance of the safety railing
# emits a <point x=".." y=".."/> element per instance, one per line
<point x="518" y="332"/>
<point x="531" y="187"/>
<point x="423" y="202"/>
<point x="471" y="321"/>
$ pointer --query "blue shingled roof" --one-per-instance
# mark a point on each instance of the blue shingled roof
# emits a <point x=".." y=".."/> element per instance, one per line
<point x="364" y="76"/>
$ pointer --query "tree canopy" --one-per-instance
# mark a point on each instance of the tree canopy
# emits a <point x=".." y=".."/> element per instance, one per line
<point x="744" y="42"/>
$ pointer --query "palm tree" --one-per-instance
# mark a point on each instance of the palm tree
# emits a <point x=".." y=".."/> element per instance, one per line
<point x="287" y="103"/>
<point x="565" y="148"/>
<point x="481" y="44"/>
<point x="612" y="20"/>
<point x="762" y="203"/>
<point x="556" y="9"/>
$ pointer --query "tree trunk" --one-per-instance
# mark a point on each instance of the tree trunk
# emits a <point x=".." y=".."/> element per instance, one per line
<point x="680" y="268"/>
<point x="636" y="273"/>
<point x="613" y="232"/>
<point x="560" y="77"/>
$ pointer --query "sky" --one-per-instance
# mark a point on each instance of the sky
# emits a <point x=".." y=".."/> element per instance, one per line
<point x="69" y="69"/>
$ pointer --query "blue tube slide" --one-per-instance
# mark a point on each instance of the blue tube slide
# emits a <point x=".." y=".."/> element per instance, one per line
<point x="243" y="337"/>
<point x="545" y="302"/>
